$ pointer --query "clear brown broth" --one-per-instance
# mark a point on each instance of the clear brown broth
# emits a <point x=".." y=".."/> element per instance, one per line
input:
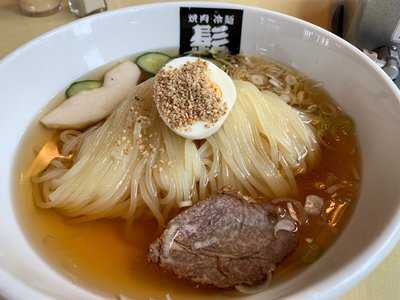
<point x="99" y="255"/>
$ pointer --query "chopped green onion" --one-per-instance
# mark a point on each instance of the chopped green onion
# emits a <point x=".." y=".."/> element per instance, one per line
<point x="312" y="252"/>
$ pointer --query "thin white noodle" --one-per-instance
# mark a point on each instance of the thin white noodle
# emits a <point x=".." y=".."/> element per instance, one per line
<point x="133" y="164"/>
<point x="49" y="175"/>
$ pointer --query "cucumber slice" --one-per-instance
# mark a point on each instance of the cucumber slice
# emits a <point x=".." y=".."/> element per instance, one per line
<point x="83" y="85"/>
<point x="152" y="62"/>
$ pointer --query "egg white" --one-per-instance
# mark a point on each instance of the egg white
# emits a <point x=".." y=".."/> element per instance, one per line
<point x="199" y="129"/>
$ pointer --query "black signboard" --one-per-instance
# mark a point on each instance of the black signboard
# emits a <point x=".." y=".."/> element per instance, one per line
<point x="210" y="28"/>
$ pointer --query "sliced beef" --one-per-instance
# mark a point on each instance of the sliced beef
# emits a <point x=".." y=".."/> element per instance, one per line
<point x="225" y="241"/>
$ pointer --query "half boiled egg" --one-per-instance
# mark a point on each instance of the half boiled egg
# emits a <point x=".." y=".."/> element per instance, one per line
<point x="180" y="91"/>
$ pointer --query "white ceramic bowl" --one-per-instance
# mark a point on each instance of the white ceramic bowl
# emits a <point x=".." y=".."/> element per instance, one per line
<point x="34" y="73"/>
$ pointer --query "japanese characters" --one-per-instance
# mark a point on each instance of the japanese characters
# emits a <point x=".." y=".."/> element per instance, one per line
<point x="205" y="29"/>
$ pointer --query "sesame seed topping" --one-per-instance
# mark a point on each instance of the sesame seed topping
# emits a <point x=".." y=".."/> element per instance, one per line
<point x="186" y="95"/>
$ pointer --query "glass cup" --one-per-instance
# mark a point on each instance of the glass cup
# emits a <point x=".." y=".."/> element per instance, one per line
<point x="40" y="8"/>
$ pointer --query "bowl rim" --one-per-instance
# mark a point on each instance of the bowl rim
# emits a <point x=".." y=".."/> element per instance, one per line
<point x="334" y="284"/>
